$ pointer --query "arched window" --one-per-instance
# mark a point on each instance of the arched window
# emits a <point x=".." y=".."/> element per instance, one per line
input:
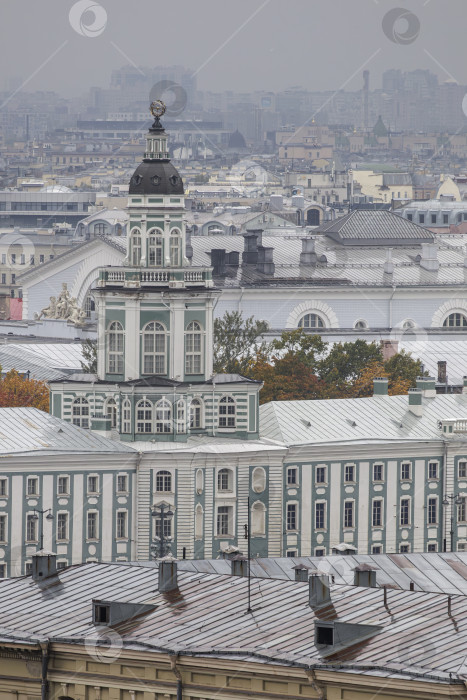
<point x="181" y="416"/>
<point x="144" y="416"/>
<point x="311" y="321"/>
<point x="196" y="414"/>
<point x="155" y="247"/>
<point x="135" y="247"/>
<point x="80" y="412"/>
<point x="193" y="348"/>
<point x="227" y="412"/>
<point x="199" y="516"/>
<point x="115" y="345"/>
<point x="199" y="481"/>
<point x="89" y="305"/>
<point x="163" y="416"/>
<point x="408" y="325"/>
<point x="258" y="519"/>
<point x="126" y="416"/>
<point x="258" y="479"/>
<point x="175" y="247"/>
<point x="154" y="348"/>
<point x="100" y="228"/>
<point x="225" y="480"/>
<point x="163" y="481"/>
<point x="111" y="412"/>
<point x="361" y="325"/>
<point x="456" y="320"/>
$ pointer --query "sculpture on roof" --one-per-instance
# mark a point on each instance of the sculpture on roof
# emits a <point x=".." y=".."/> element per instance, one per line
<point x="64" y="307"/>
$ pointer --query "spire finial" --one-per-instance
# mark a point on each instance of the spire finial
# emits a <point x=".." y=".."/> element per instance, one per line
<point x="157" y="109"/>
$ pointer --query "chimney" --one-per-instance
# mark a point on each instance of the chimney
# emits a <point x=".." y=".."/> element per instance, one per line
<point x="319" y="592"/>
<point x="429" y="257"/>
<point x="238" y="566"/>
<point x="276" y="202"/>
<point x="415" y="402"/>
<point x="301" y="572"/>
<point x="364" y="576"/>
<point x="265" y="263"/>
<point x="167" y="575"/>
<point x="188" y="246"/>
<point x="442" y="372"/>
<point x="218" y="262"/>
<point x="251" y="241"/>
<point x="102" y="425"/>
<point x="380" y="386"/>
<point x="389" y="348"/>
<point x="427" y="385"/>
<point x="308" y="255"/>
<point x="464" y="385"/>
<point x="44" y="565"/>
<point x="388" y="266"/>
<point x="233" y="258"/>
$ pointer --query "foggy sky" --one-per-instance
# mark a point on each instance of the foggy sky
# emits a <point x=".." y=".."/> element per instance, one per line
<point x="316" y="44"/>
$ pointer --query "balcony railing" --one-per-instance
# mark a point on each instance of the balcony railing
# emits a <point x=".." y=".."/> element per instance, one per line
<point x="137" y="277"/>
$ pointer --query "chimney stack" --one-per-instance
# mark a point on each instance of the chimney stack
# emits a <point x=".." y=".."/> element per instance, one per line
<point x="44" y="565"/>
<point x="319" y="593"/>
<point x="167" y="575"/>
<point x="415" y="402"/>
<point x="301" y="572"/>
<point x="238" y="566"/>
<point x="308" y="255"/>
<point x="265" y="262"/>
<point x="388" y="266"/>
<point x="427" y="385"/>
<point x="218" y="262"/>
<point x="380" y="386"/>
<point x="442" y="371"/>
<point x="251" y="241"/>
<point x="389" y="348"/>
<point x="364" y="576"/>
<point x="429" y="257"/>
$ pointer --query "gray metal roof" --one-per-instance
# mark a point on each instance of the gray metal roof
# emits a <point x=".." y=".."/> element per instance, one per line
<point x="15" y="357"/>
<point x="372" y="419"/>
<point x="454" y="352"/>
<point x="370" y="224"/>
<point x="28" y="431"/>
<point x="434" y="572"/>
<point x="207" y="617"/>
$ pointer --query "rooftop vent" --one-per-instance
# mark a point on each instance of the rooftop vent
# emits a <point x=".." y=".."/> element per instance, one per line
<point x="251" y="241"/>
<point x="218" y="262"/>
<point x="380" y="386"/>
<point x="364" y="576"/>
<point x="318" y="590"/>
<point x="168" y="579"/>
<point x="429" y="257"/>
<point x="265" y="262"/>
<point x="301" y="572"/>
<point x="238" y="565"/>
<point x="44" y="565"/>
<point x="427" y="386"/>
<point x="111" y="612"/>
<point x="308" y="255"/>
<point x="415" y="402"/>
<point x="342" y="634"/>
<point x="388" y="266"/>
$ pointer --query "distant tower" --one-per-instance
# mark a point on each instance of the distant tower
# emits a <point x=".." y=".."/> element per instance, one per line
<point x="366" y="88"/>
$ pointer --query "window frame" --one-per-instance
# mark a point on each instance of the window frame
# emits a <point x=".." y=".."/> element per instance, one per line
<point x="292" y="516"/>
<point x="144" y="423"/>
<point x="375" y="466"/>
<point x="95" y="514"/>
<point x="323" y="515"/>
<point x="91" y="492"/>
<point x="154" y="359"/>
<point x="290" y="471"/>
<point x="436" y="465"/>
<point x="80" y="412"/>
<point x="3" y="528"/>
<point x="348" y="502"/>
<point x="62" y="527"/>
<point x="379" y="515"/>
<point x="225" y="520"/>
<point x="66" y="492"/>
<point x="163" y="478"/>
<point x="4" y="490"/>
<point x="409" y="477"/>
<point x="462" y="462"/>
<point x="121" y="515"/>
<point x="198" y="410"/>
<point x="117" y="485"/>
<point x="225" y="473"/>
<point x="318" y="321"/>
<point x="227" y="419"/>
<point x="115" y="342"/>
<point x="353" y="473"/>
<point x="405" y="521"/>
<point x="36" y="492"/>
<point x="324" y="469"/>
<point x="193" y="351"/>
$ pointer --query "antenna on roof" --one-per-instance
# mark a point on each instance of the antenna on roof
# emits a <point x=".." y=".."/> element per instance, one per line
<point x="247" y="537"/>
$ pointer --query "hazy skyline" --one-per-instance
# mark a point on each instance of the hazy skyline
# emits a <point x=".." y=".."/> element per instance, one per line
<point x="242" y="46"/>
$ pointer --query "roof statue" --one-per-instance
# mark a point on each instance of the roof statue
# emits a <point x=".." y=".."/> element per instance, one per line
<point x="64" y="307"/>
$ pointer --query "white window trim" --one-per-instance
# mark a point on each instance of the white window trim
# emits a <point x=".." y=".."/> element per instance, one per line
<point x="354" y="514"/>
<point x="409" y="499"/>
<point x="321" y="529"/>
<point x="377" y="464"/>
<point x="97" y="538"/>
<point x="297" y="517"/>
<point x="377" y="527"/>
<point x="326" y="473"/>
<point x="38" y="493"/>
<point x="93" y="493"/>
<point x="68" y="492"/>
<point x="67" y="538"/>
<point x="354" y="480"/>
<point x="125" y="537"/>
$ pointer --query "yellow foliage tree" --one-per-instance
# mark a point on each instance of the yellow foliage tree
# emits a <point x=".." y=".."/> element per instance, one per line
<point x="16" y="390"/>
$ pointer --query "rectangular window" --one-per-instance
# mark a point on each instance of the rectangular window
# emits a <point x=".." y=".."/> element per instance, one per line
<point x="377" y="513"/>
<point x="445" y="218"/>
<point x="433" y="218"/>
<point x="320" y="516"/>
<point x="3" y="258"/>
<point x="421" y="218"/>
<point x="223" y="520"/>
<point x="404" y="548"/>
<point x="348" y="514"/>
<point x="122" y="483"/>
<point x="122" y="524"/>
<point x="404" y="518"/>
<point x="376" y="549"/>
<point x="62" y="526"/>
<point x="291" y="553"/>
<point x="406" y="469"/>
<point x="3" y="534"/>
<point x="31" y="528"/>
<point x="410" y="217"/>
<point x="32" y="486"/>
<point x="349" y="473"/>
<point x="3" y="278"/>
<point x="462" y="510"/>
<point x="22" y="260"/>
<point x="93" y="484"/>
<point x="320" y="552"/>
<point x="13" y="279"/>
<point x="63" y="485"/>
<point x="378" y="472"/>
<point x="28" y="568"/>
<point x="291" y="516"/>
<point x="462" y="470"/>
<point x="13" y="258"/>
<point x="31" y="259"/>
<point x="292" y="476"/>
<point x="41" y="258"/>
<point x="2" y="570"/>
<point x="320" y="475"/>
<point x="91" y="529"/>
<point x="433" y="470"/>
<point x="432" y="511"/>
<point x="432" y="547"/>
<point x="3" y="486"/>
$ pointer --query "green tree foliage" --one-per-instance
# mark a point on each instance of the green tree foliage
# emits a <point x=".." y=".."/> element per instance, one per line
<point x="89" y="350"/>
<point x="345" y="362"/>
<point x="237" y="343"/>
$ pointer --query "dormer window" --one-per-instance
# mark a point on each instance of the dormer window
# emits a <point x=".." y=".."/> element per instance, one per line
<point x="101" y="614"/>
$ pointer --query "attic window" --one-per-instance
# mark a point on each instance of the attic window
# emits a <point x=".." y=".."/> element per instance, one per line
<point x="101" y="614"/>
<point x="324" y="635"/>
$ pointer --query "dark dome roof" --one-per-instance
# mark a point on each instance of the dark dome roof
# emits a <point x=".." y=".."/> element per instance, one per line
<point x="237" y="140"/>
<point x="156" y="177"/>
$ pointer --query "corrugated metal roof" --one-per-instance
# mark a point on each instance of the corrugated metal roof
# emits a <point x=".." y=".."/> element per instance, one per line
<point x="28" y="431"/>
<point x="18" y="357"/>
<point x="434" y="572"/>
<point x="430" y="352"/>
<point x="372" y="419"/>
<point x="370" y="223"/>
<point x="207" y="617"/>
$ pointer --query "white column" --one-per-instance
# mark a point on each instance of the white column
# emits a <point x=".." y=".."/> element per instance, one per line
<point x="101" y="337"/>
<point x="392" y="506"/>
<point x="132" y="339"/>
<point x="107" y="517"/>
<point x="177" y="339"/>
<point x="418" y="506"/>
<point x="364" y="500"/>
<point x="77" y="541"/>
<point x="47" y="502"/>
<point x="306" y="510"/>
<point x="16" y="528"/>
<point x="335" y="505"/>
<point x="209" y="340"/>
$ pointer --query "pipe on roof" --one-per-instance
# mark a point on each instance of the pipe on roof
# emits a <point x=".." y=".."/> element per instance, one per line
<point x="176" y="671"/>
<point x="44" y="669"/>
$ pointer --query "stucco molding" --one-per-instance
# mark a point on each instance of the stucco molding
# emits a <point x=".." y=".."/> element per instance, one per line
<point x="309" y="307"/>
<point x="450" y="306"/>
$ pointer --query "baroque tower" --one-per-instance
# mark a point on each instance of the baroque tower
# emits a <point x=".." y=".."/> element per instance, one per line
<point x="154" y="376"/>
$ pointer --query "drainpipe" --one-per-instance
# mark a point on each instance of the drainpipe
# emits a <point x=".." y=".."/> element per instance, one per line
<point x="178" y="676"/>
<point x="317" y="687"/>
<point x="45" y="664"/>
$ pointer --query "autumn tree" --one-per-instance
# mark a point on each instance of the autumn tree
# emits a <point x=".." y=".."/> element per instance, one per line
<point x="17" y="390"/>
<point x="237" y="342"/>
<point x="344" y="364"/>
<point x="89" y="351"/>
